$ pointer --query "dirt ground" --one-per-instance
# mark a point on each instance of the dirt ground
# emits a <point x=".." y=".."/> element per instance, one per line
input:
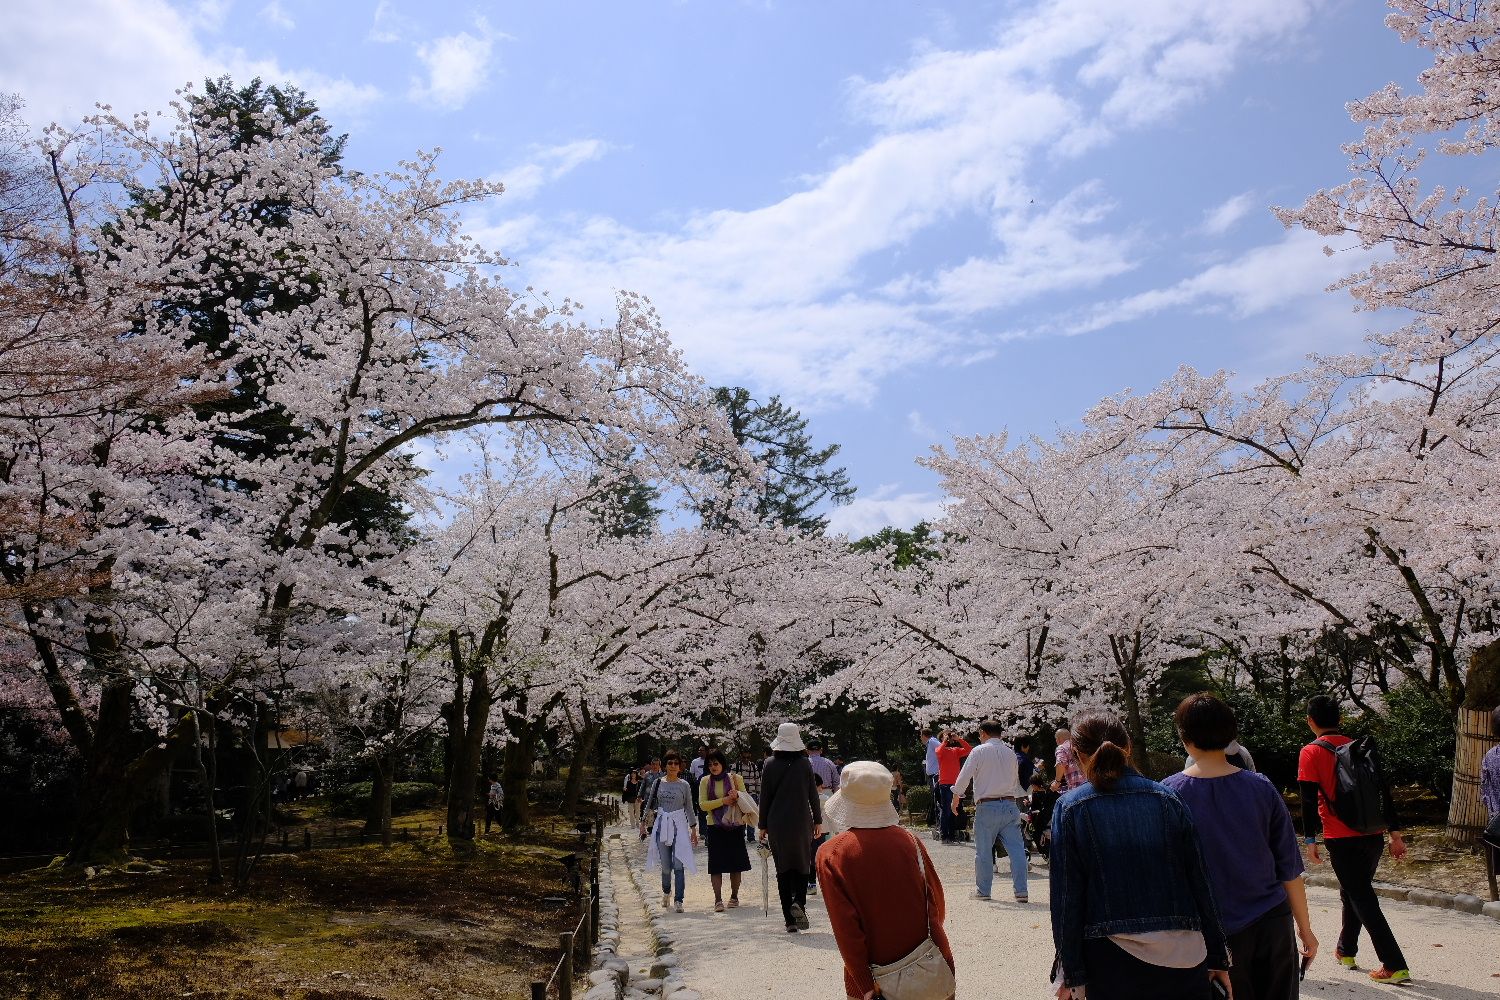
<point x="421" y="920"/>
<point x="1433" y="863"/>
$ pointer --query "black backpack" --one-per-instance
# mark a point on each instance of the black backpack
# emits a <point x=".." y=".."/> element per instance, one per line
<point x="1357" y="798"/>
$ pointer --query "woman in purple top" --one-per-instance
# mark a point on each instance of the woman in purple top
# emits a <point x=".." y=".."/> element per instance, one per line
<point x="1489" y="771"/>
<point x="1250" y="848"/>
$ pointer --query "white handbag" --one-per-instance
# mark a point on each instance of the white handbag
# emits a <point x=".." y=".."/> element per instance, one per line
<point x="923" y="973"/>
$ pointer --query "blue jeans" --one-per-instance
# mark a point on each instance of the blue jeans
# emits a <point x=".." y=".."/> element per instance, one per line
<point x="671" y="866"/>
<point x="999" y="818"/>
<point x="947" y="822"/>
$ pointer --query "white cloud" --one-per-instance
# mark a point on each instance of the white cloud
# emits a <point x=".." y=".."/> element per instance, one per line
<point x="919" y="426"/>
<point x="458" y="67"/>
<point x="1222" y="217"/>
<point x="1290" y="274"/>
<point x="547" y="165"/>
<point x="779" y="294"/>
<point x="885" y="507"/>
<point x="275" y="14"/>
<point x="1042" y="252"/>
<point x="389" y="26"/>
<point x="133" y="55"/>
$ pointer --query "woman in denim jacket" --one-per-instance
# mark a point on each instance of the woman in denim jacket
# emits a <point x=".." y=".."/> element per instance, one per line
<point x="1132" y="912"/>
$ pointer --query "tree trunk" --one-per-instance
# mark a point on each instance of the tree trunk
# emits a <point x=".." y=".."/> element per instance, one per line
<point x="379" y="805"/>
<point x="1127" y="655"/>
<point x="520" y="753"/>
<point x="1466" y="813"/>
<point x="115" y="775"/>
<point x="582" y="748"/>
<point x="208" y="778"/>
<point x="385" y="771"/>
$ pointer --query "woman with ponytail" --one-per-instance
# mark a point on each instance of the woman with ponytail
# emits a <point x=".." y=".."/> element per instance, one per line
<point x="1133" y="917"/>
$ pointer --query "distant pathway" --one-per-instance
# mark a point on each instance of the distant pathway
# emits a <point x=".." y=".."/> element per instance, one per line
<point x="1004" y="948"/>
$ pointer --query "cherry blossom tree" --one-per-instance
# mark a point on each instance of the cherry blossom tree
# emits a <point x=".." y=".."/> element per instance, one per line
<point x="404" y="335"/>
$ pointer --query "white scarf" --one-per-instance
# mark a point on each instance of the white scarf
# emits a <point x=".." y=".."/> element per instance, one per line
<point x="671" y="828"/>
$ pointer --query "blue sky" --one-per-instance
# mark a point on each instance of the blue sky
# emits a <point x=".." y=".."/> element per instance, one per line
<point x="912" y="220"/>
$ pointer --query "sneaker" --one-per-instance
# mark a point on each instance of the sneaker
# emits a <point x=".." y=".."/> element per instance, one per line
<point x="666" y="900"/>
<point x="718" y="906"/>
<point x="1347" y="961"/>
<point x="791" y="928"/>
<point x="1023" y="898"/>
<point x="799" y="917"/>
<point x="812" y="890"/>
<point x="976" y="894"/>
<point x="1392" y="976"/>
<point x="733" y="902"/>
<point x="678" y="907"/>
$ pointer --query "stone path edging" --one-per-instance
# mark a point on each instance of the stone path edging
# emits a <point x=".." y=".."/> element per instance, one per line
<point x="1462" y="902"/>
<point x="664" y="976"/>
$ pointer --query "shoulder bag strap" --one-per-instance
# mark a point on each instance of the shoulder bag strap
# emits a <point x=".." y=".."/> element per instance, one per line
<point x="922" y="874"/>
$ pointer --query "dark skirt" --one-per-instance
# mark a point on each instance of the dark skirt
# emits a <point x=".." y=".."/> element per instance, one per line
<point x="726" y="850"/>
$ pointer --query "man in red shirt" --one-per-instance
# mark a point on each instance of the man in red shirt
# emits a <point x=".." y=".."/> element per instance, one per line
<point x="951" y="755"/>
<point x="1354" y="855"/>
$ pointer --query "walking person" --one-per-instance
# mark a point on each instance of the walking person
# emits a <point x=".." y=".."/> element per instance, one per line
<point x="930" y="743"/>
<point x="494" y="801"/>
<point x="992" y="769"/>
<point x="822" y="766"/>
<point x="820" y="837"/>
<point x="1066" y="774"/>
<point x="1354" y="853"/>
<point x="1133" y="916"/>
<point x="1025" y="763"/>
<point x="630" y="794"/>
<point x="884" y="899"/>
<point x="1250" y="847"/>
<point x="790" y="817"/>
<point x="718" y="795"/>
<point x="1489" y="794"/>
<point x="673" y="831"/>
<point x="748" y="768"/>
<point x="696" y="770"/>
<point x="649" y="778"/>
<point x="951" y="754"/>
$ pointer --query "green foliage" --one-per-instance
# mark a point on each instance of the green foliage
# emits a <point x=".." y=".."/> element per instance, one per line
<point x="918" y="799"/>
<point x="797" y="476"/>
<point x="352" y="801"/>
<point x="1417" y="739"/>
<point x="910" y="547"/>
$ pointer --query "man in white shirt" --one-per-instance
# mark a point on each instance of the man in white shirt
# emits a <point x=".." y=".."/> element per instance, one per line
<point x="992" y="768"/>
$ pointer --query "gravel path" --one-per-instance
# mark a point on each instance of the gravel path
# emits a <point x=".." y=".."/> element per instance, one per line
<point x="743" y="953"/>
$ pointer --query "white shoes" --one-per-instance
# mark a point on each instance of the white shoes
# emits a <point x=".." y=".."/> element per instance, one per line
<point x="666" y="900"/>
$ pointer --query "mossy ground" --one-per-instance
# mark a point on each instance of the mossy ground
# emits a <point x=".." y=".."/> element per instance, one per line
<point x="421" y="920"/>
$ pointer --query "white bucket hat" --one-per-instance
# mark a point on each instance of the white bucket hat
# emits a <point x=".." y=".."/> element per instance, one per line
<point x="788" y="737"/>
<point x="864" y="798"/>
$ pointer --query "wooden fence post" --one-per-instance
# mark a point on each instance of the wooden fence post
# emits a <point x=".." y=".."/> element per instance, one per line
<point x="565" y="974"/>
<point x="538" y="991"/>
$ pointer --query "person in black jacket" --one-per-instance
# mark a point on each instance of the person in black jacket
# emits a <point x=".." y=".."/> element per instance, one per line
<point x="790" y="819"/>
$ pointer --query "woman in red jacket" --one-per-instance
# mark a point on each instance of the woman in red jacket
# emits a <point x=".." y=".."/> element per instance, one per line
<point x="883" y="897"/>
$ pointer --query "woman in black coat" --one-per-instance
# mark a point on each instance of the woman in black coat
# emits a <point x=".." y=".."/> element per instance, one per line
<point x="790" y="819"/>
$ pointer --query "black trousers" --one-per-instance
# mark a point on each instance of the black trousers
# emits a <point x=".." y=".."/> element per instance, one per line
<point x="1115" y="974"/>
<point x="1265" y="958"/>
<point x="1354" y="861"/>
<point x="792" y="887"/>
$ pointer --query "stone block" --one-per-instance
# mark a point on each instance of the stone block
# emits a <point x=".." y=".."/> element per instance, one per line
<point x="1467" y="903"/>
<point x="1398" y="892"/>
<point x="1430" y="897"/>
<point x="1492" y="910"/>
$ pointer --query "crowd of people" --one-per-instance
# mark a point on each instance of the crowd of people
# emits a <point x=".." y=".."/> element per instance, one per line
<point x="1188" y="888"/>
